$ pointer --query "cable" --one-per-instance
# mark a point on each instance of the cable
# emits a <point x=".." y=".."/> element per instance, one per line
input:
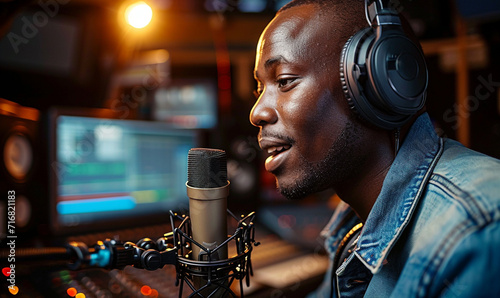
<point x="55" y="253"/>
<point x="396" y="141"/>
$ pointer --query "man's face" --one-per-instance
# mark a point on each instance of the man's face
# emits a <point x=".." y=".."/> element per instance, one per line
<point x="303" y="118"/>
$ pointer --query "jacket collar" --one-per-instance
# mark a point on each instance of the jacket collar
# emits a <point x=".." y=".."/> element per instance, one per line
<point x="401" y="191"/>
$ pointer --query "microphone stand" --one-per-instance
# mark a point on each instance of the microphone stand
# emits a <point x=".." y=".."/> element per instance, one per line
<point x="174" y="248"/>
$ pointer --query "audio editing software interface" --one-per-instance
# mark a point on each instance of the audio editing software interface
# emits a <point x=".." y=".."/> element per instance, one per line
<point x="108" y="170"/>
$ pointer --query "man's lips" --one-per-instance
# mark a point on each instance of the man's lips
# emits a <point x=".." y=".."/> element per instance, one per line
<point x="277" y="149"/>
<point x="274" y="146"/>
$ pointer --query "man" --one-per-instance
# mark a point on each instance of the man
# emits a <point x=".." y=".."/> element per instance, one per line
<point x="421" y="219"/>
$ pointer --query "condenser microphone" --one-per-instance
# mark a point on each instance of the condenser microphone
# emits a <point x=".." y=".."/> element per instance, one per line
<point x="208" y="189"/>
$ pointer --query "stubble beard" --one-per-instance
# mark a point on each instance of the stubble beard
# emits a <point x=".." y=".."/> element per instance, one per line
<point x="338" y="165"/>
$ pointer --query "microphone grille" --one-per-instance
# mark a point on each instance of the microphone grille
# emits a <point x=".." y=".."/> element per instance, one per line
<point x="207" y="168"/>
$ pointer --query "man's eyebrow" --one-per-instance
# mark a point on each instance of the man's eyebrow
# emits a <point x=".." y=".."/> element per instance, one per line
<point x="275" y="60"/>
<point x="270" y="63"/>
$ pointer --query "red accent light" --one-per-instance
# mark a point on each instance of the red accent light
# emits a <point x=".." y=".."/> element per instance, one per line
<point x="146" y="290"/>
<point x="6" y="271"/>
<point x="71" y="292"/>
<point x="154" y="293"/>
<point x="224" y="82"/>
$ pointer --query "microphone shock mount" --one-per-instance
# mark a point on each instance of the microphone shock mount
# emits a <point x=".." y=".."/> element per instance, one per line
<point x="175" y="248"/>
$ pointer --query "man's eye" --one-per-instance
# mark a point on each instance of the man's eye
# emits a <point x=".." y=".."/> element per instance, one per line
<point x="285" y="82"/>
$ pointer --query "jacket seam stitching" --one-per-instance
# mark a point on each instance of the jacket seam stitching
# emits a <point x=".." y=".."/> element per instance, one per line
<point x="448" y="243"/>
<point x="416" y="200"/>
<point x="470" y="205"/>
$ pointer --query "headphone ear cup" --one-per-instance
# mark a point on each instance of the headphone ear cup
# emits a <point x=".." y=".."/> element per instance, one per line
<point x="345" y="87"/>
<point x="397" y="74"/>
<point x="383" y="78"/>
<point x="353" y="74"/>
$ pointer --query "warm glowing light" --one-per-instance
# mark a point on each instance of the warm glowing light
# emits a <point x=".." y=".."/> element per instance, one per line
<point x="13" y="290"/>
<point x="72" y="292"/>
<point x="146" y="290"/>
<point x="80" y="295"/>
<point x="154" y="293"/>
<point x="139" y="14"/>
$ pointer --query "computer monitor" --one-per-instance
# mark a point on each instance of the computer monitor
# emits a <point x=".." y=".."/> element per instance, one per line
<point x="113" y="173"/>
<point x="187" y="103"/>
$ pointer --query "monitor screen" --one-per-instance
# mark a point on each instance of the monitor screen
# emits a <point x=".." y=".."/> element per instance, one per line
<point x="116" y="173"/>
<point x="51" y="48"/>
<point x="187" y="103"/>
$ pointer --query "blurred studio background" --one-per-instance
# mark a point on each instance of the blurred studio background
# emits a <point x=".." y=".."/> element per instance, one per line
<point x="102" y="99"/>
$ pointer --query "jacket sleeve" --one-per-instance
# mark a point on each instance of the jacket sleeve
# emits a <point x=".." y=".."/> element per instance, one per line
<point x="472" y="268"/>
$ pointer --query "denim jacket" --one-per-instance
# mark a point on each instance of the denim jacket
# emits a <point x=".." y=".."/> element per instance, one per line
<point x="434" y="230"/>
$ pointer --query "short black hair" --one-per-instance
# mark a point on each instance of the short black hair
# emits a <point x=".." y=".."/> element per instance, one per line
<point x="320" y="3"/>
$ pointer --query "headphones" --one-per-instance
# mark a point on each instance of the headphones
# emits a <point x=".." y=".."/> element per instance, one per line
<point x="383" y="73"/>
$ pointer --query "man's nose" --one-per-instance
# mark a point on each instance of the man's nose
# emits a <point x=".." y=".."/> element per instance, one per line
<point x="263" y="111"/>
